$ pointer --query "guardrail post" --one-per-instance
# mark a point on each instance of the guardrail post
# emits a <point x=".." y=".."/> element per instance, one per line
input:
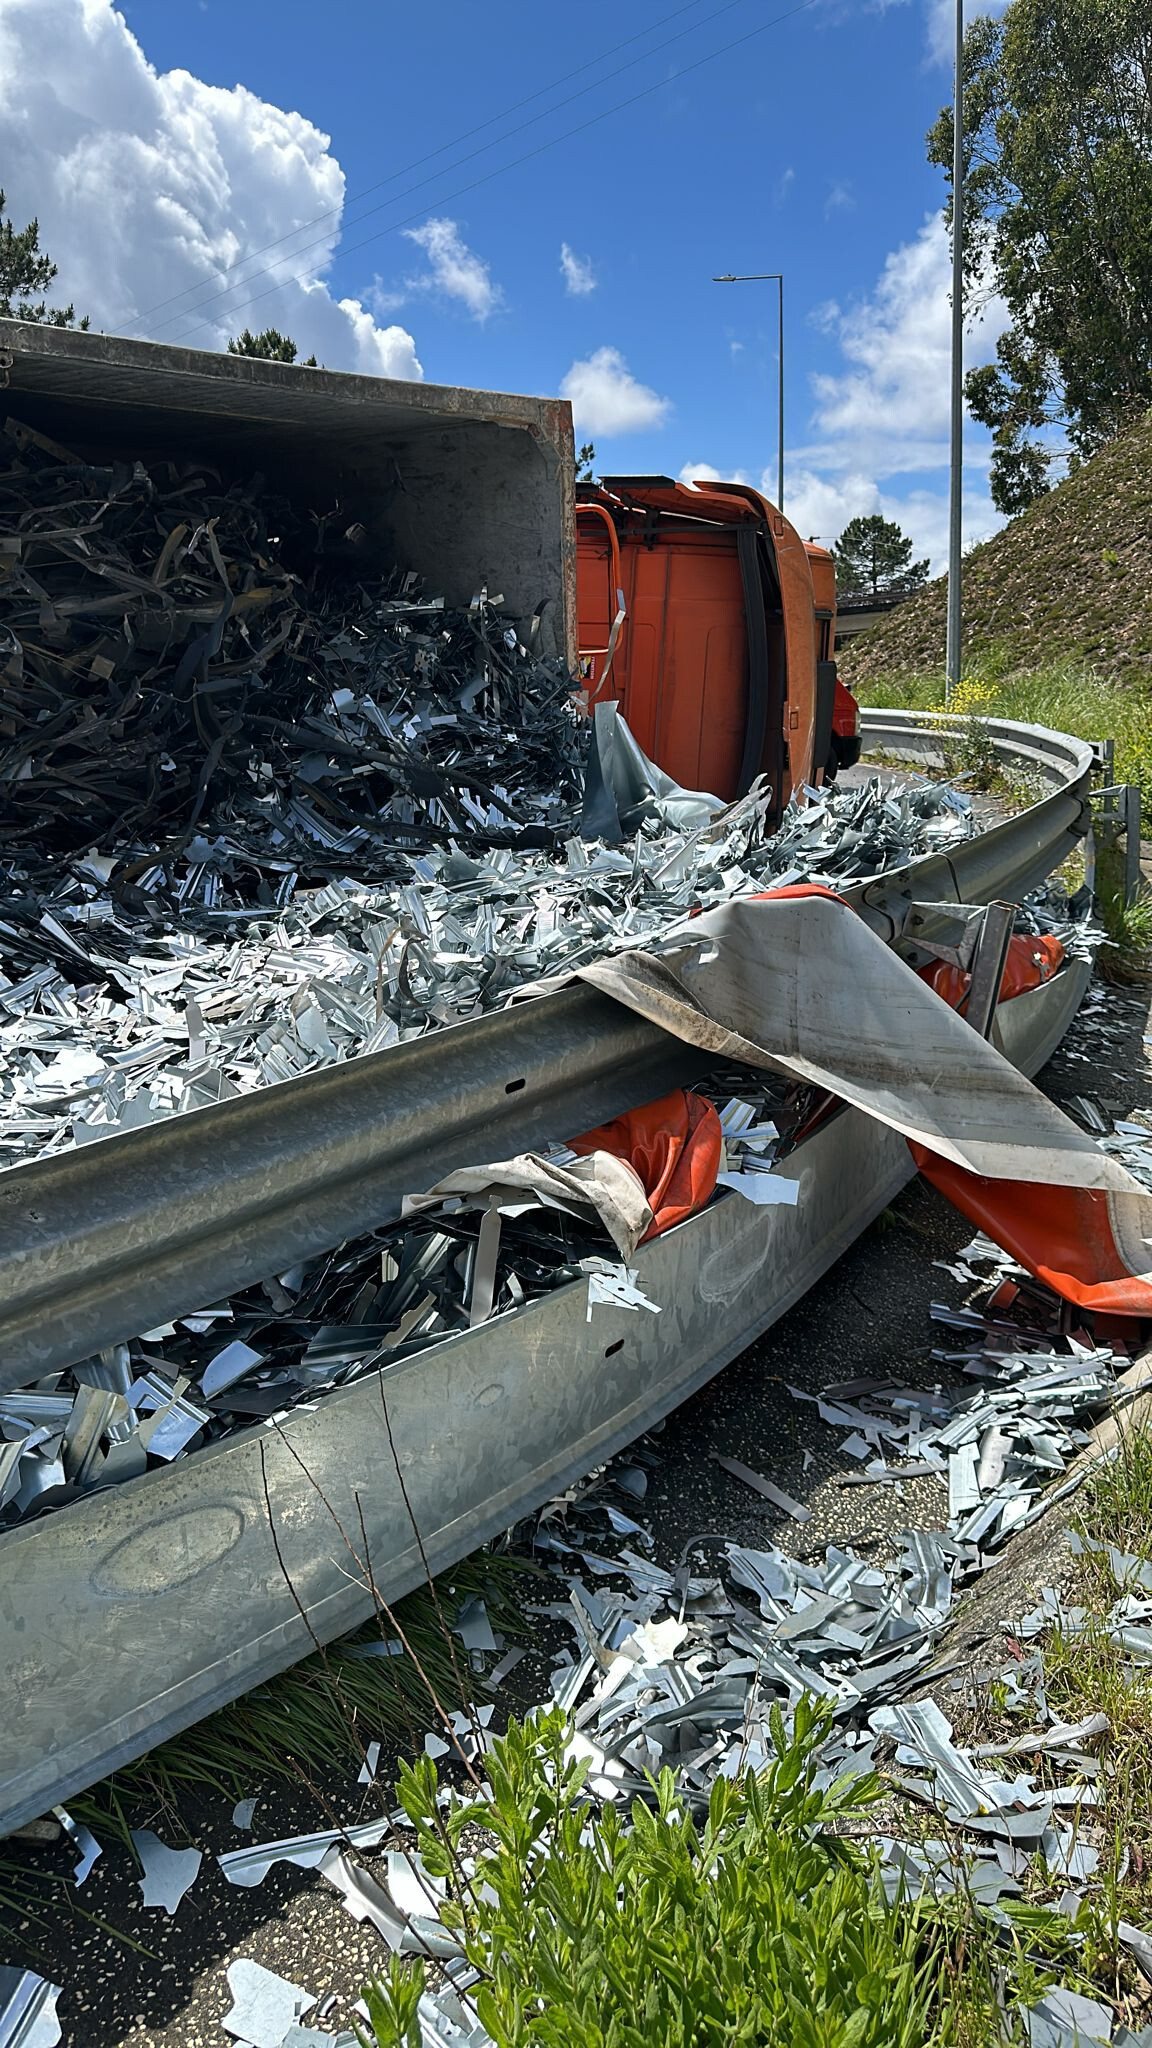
<point x="1118" y="815"/>
<point x="988" y="964"/>
<point x="1132" y="822"/>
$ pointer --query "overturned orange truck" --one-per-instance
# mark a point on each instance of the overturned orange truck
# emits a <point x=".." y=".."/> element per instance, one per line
<point x="709" y="619"/>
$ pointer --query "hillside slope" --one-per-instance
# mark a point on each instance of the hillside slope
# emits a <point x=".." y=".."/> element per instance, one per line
<point x="1069" y="580"/>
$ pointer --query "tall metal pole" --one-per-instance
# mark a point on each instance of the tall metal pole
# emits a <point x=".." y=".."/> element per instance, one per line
<point x="955" y="648"/>
<point x="769" y="277"/>
<point x="780" y="439"/>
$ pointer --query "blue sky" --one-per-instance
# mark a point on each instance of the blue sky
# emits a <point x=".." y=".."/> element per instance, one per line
<point x="801" y="149"/>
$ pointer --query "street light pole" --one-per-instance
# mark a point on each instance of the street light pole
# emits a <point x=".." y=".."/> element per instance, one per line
<point x="775" y="277"/>
<point x="955" y="648"/>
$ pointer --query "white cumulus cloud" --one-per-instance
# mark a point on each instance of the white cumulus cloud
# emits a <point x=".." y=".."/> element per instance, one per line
<point x="705" y="473"/>
<point x="607" y="399"/>
<point x="454" y="268"/>
<point x="157" y="194"/>
<point x="942" y="24"/>
<point x="888" y="409"/>
<point x="577" y="272"/>
<point x="882" y="420"/>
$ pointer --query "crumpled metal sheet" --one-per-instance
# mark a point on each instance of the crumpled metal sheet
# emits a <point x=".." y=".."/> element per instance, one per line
<point x="28" y="2010"/>
<point x="453" y="1261"/>
<point x="751" y="982"/>
<point x="124" y="998"/>
<point x="264" y="2006"/>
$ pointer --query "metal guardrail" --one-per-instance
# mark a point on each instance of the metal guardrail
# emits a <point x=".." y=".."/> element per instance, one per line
<point x="1007" y="859"/>
<point x="98" y="1244"/>
<point x="139" y="1608"/>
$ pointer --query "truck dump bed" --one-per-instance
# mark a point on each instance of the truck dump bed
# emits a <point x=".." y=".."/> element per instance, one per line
<point x="467" y="488"/>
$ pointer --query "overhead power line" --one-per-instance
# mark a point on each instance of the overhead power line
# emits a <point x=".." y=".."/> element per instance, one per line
<point x="365" y="192"/>
<point x="323" y="241"/>
<point x="527" y="156"/>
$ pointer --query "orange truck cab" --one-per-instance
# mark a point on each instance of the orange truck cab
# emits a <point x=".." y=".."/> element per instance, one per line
<point x="713" y="624"/>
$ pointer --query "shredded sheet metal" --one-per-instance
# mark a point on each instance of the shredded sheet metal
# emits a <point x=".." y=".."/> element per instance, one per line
<point x="168" y="1873"/>
<point x="680" y="1669"/>
<point x="481" y="1245"/>
<point x="265" y="811"/>
<point x="264" y="2006"/>
<point x="250" y="1866"/>
<point x="28" y="2010"/>
<point x="120" y="1009"/>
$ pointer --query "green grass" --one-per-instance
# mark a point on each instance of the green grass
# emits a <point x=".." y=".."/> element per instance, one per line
<point x="1069" y="581"/>
<point x="1064" y="695"/>
<point x="322" y="1712"/>
<point x="1118" y="1508"/>
<point x="1086" y="1673"/>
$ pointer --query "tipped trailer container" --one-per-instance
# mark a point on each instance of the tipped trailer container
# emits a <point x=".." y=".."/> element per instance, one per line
<point x="135" y="1609"/>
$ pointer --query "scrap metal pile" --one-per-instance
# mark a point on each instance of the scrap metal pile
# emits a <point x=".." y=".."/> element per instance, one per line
<point x="113" y="1013"/>
<point x="339" y="1316"/>
<point x="263" y="810"/>
<point x="182" y="655"/>
<point x="677" y="1667"/>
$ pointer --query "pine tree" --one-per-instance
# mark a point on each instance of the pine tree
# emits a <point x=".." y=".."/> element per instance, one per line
<point x="270" y="346"/>
<point x="26" y="275"/>
<point x="874" y="559"/>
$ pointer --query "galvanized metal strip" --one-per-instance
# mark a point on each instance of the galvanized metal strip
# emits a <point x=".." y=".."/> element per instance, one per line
<point x="99" y="1244"/>
<point x="110" y="1610"/>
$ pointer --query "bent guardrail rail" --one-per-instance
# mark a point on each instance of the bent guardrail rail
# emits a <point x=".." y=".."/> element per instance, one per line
<point x="98" y="1244"/>
<point x="136" y="1610"/>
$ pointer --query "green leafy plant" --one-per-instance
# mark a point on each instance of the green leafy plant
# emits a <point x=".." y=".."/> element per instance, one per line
<point x="1064" y="696"/>
<point x="969" y="748"/>
<point x="759" y="1921"/>
<point x="292" y="1728"/>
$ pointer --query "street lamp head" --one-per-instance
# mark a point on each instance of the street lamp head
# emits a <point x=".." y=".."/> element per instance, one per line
<point x="726" y="277"/>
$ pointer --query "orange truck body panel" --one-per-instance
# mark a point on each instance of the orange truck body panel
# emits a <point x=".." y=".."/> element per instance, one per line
<point x="710" y="701"/>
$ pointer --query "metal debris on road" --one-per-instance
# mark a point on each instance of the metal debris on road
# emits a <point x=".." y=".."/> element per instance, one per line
<point x="765" y="1487"/>
<point x="264" y="2006"/>
<point x="168" y="1873"/>
<point x="28" y="2010"/>
<point x="402" y="1908"/>
<point x="250" y="1866"/>
<point x="85" y="1843"/>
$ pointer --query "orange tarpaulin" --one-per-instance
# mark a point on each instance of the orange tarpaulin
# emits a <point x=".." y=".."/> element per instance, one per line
<point x="674" y="1145"/>
<point x="1067" y="1237"/>
<point x="1030" y="962"/>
